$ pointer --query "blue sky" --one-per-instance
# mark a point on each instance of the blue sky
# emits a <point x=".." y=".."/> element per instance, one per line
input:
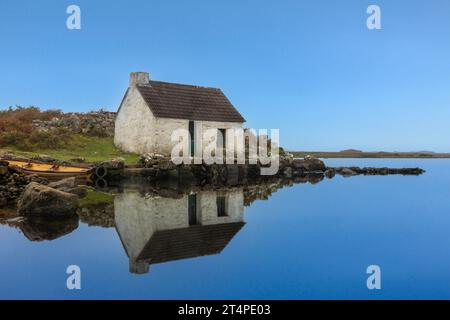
<point x="310" y="68"/>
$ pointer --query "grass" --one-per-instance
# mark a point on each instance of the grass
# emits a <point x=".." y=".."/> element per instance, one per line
<point x="94" y="198"/>
<point x="93" y="149"/>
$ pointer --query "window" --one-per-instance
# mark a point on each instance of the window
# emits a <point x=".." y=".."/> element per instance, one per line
<point x="222" y="206"/>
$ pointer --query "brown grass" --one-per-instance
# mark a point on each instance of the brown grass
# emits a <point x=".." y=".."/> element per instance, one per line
<point x="21" y="118"/>
<point x="16" y="129"/>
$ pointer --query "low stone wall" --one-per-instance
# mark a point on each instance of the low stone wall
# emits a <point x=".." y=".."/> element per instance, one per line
<point x="98" y="123"/>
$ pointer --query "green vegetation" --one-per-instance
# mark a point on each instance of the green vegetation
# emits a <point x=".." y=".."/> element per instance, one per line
<point x="18" y="136"/>
<point x="94" y="198"/>
<point x="16" y="129"/>
<point x="20" y="119"/>
<point x="93" y="149"/>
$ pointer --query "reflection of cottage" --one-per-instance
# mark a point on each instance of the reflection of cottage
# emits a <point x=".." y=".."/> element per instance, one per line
<point x="156" y="229"/>
<point x="151" y="110"/>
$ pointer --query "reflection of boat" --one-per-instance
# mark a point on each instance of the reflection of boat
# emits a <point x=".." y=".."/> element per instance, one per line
<point x="48" y="170"/>
<point x="157" y="229"/>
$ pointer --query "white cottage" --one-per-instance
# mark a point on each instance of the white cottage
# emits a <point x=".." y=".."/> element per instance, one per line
<point x="151" y="110"/>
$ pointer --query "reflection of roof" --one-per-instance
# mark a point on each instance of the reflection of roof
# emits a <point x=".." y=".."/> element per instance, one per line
<point x="176" y="244"/>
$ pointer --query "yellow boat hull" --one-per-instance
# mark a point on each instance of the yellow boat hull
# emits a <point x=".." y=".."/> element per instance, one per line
<point x="48" y="170"/>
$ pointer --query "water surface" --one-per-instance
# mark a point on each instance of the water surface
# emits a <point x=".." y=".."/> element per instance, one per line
<point x="306" y="241"/>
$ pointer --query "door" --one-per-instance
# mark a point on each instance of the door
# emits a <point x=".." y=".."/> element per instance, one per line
<point x="192" y="137"/>
<point x="192" y="209"/>
<point x="223" y="144"/>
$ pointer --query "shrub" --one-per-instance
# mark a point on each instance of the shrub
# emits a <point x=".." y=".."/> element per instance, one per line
<point x="21" y="118"/>
<point x="36" y="140"/>
<point x="97" y="132"/>
<point x="49" y="139"/>
<point x="16" y="129"/>
<point x="17" y="139"/>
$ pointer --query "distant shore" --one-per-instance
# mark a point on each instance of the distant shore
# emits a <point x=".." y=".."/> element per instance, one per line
<point x="378" y="154"/>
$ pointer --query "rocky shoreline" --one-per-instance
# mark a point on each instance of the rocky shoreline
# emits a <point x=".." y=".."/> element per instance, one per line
<point x="35" y="196"/>
<point x="157" y="167"/>
<point x="13" y="182"/>
<point x="45" y="210"/>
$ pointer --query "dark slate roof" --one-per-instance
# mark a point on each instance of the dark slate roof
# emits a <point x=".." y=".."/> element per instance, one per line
<point x="181" y="101"/>
<point x="195" y="241"/>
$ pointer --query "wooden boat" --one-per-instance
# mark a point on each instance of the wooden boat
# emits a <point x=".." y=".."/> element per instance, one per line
<point x="49" y="171"/>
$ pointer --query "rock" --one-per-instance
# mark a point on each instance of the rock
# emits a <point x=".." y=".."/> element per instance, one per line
<point x="148" y="160"/>
<point x="116" y="163"/>
<point x="166" y="165"/>
<point x="63" y="184"/>
<point x="286" y="158"/>
<point x="330" y="173"/>
<point x="314" y="164"/>
<point x="309" y="164"/>
<point x="96" y="123"/>
<point x="3" y="170"/>
<point x="346" y="172"/>
<point x="38" y="179"/>
<point x="12" y="183"/>
<point x="4" y="163"/>
<point x="80" y="191"/>
<point x="41" y="200"/>
<point x="70" y="185"/>
<point x="358" y="170"/>
<point x="156" y="161"/>
<point x="407" y="171"/>
<point x="44" y="158"/>
<point x="11" y="156"/>
<point x="288" y="172"/>
<point x="3" y="201"/>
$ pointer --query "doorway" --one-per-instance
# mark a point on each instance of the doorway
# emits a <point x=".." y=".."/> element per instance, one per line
<point x="222" y="144"/>
<point x="192" y="209"/>
<point x="192" y="138"/>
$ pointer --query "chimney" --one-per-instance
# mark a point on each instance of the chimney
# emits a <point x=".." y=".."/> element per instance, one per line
<point x="139" y="78"/>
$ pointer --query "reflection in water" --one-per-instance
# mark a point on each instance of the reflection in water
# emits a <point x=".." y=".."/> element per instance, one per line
<point x="163" y="222"/>
<point x="40" y="229"/>
<point x="154" y="229"/>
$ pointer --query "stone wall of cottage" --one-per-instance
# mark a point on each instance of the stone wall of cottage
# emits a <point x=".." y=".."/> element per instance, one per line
<point x="138" y="131"/>
<point x="96" y="123"/>
<point x="134" y="129"/>
<point x="165" y="127"/>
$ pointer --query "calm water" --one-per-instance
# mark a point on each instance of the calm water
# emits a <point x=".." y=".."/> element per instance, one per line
<point x="305" y="241"/>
